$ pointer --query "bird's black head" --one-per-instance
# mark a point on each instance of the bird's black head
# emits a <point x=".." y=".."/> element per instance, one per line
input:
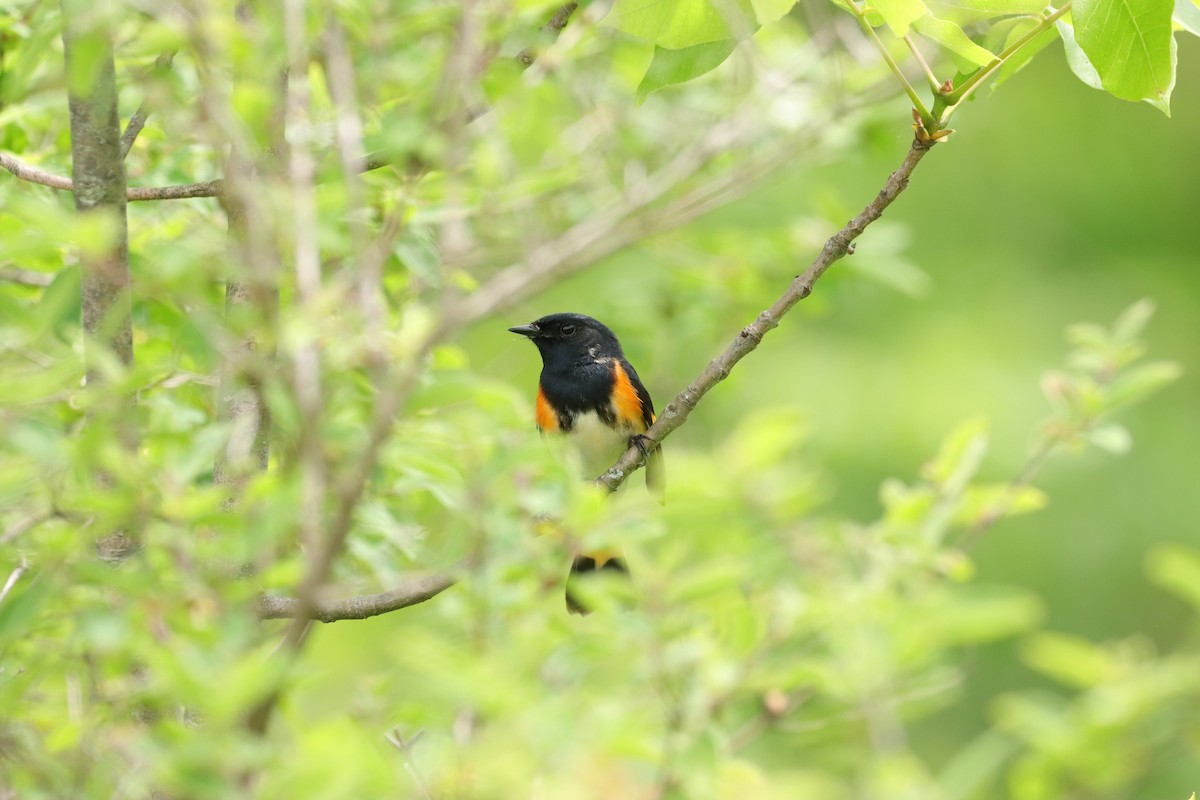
<point x="568" y="338"/>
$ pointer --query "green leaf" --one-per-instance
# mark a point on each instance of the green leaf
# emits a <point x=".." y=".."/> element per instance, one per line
<point x="1132" y="322"/>
<point x="1140" y="382"/>
<point x="988" y="503"/>
<point x="771" y="10"/>
<point x="964" y="11"/>
<point x="679" y="66"/>
<point x="951" y="37"/>
<point x="765" y="437"/>
<point x="959" y="456"/>
<point x="976" y="615"/>
<point x="59" y="305"/>
<point x="1176" y="568"/>
<point x="904" y="504"/>
<point x="976" y="764"/>
<point x="19" y="611"/>
<point x="676" y="24"/>
<point x="1069" y="659"/>
<point x="1088" y="335"/>
<point x="900" y="14"/>
<point x="1129" y="42"/>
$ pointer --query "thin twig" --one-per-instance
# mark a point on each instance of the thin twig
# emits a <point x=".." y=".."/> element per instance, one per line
<point x="307" y="362"/>
<point x="387" y="409"/>
<point x="24" y="525"/>
<point x="860" y="15"/>
<point x="138" y="120"/>
<point x="1000" y="508"/>
<point x="554" y="27"/>
<point x="397" y="740"/>
<point x="339" y="70"/>
<point x="13" y="577"/>
<point x="839" y="245"/>
<point x="934" y="83"/>
<point x="414" y="591"/>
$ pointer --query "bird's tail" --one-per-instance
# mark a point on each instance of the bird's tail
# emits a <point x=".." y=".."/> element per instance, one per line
<point x="581" y="567"/>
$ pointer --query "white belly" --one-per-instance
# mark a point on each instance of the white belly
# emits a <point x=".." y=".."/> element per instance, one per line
<point x="599" y="445"/>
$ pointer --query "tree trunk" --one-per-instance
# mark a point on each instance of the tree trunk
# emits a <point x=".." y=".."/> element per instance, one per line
<point x="98" y="175"/>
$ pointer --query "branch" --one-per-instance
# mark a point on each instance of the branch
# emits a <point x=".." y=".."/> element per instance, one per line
<point x="554" y="27"/>
<point x="416" y="590"/>
<point x="25" y="276"/>
<point x="13" y="577"/>
<point x="183" y="191"/>
<point x="840" y="244"/>
<point x="306" y="359"/>
<point x="32" y="174"/>
<point x="138" y="120"/>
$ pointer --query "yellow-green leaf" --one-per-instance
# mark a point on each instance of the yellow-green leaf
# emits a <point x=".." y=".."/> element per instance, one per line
<point x="900" y="14"/>
<point x="952" y="37"/>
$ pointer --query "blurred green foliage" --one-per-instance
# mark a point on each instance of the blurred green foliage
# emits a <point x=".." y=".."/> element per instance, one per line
<point x="812" y="614"/>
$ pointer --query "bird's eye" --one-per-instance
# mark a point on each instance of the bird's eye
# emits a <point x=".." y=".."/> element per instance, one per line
<point x="567" y="330"/>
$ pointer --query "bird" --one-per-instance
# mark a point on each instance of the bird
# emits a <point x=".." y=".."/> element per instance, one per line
<point x="590" y="392"/>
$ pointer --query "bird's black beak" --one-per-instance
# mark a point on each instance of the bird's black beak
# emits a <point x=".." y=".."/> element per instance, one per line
<point x="530" y="330"/>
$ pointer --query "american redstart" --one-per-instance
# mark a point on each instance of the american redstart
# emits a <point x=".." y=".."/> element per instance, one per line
<point x="590" y="392"/>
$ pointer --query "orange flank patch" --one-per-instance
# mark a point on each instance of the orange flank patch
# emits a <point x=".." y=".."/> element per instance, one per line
<point x="625" y="400"/>
<point x="544" y="415"/>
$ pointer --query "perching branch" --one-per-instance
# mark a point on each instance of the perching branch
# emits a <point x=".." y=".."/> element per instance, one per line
<point x="840" y="244"/>
<point x="414" y="591"/>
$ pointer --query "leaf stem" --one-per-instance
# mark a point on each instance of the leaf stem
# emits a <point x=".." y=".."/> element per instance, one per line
<point x="934" y="83"/>
<point x="926" y="118"/>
